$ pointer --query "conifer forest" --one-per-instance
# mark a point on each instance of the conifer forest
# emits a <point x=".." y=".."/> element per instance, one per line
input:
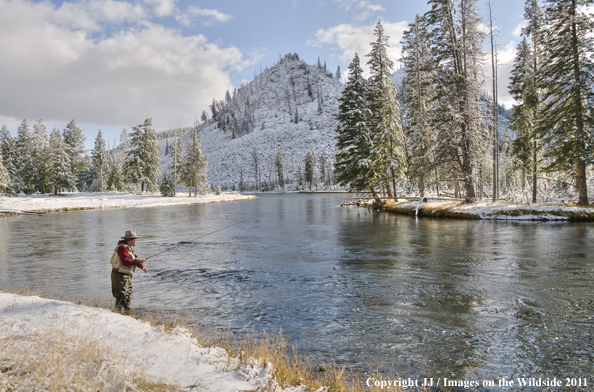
<point x="433" y="126"/>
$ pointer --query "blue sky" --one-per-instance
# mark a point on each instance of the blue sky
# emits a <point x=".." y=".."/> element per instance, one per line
<point x="110" y="64"/>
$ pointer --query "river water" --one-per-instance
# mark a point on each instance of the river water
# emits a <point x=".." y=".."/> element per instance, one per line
<point x="375" y="292"/>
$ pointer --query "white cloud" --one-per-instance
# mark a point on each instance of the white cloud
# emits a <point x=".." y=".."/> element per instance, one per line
<point x="505" y="62"/>
<point x="161" y="7"/>
<point x="364" y="8"/>
<point x="352" y="39"/>
<point x="90" y="14"/>
<point x="209" y="16"/>
<point x="518" y="30"/>
<point x="49" y="69"/>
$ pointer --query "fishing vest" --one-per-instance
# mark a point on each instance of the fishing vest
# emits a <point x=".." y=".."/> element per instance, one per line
<point x="116" y="262"/>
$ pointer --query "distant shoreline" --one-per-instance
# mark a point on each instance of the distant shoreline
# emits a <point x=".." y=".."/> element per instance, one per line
<point x="40" y="204"/>
<point x="457" y="209"/>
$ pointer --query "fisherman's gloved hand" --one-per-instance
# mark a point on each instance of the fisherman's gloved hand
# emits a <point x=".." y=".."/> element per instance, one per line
<point x="140" y="261"/>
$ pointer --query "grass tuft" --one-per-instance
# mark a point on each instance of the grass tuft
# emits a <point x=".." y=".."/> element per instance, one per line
<point x="59" y="360"/>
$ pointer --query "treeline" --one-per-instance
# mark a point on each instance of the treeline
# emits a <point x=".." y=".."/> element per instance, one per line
<point x="442" y="131"/>
<point x="313" y="173"/>
<point x="35" y="161"/>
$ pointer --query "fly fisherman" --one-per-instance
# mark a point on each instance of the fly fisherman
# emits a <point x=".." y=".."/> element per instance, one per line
<point x="124" y="262"/>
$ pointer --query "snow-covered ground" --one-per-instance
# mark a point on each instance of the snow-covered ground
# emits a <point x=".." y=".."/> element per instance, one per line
<point x="173" y="357"/>
<point x="73" y="201"/>
<point x="501" y="210"/>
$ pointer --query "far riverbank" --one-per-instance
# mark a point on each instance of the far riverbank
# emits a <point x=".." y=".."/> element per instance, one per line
<point x="487" y="210"/>
<point x="27" y="204"/>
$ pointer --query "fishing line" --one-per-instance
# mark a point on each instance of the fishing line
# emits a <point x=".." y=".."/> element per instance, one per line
<point x="204" y="235"/>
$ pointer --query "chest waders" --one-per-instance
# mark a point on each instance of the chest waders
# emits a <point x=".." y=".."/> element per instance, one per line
<point x="121" y="280"/>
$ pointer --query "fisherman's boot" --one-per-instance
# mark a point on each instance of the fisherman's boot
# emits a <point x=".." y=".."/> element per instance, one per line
<point x="118" y="305"/>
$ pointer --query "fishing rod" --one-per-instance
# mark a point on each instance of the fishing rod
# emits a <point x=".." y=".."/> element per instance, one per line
<point x="204" y="235"/>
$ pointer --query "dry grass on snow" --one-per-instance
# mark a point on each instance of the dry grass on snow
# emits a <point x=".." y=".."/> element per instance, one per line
<point x="56" y="360"/>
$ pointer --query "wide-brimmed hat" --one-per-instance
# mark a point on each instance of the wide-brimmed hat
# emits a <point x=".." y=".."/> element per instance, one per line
<point x="130" y="234"/>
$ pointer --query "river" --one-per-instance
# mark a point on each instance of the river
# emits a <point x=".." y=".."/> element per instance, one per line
<point x="375" y="292"/>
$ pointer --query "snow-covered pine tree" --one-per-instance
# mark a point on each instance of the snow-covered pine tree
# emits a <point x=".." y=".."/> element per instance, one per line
<point x="151" y="149"/>
<point x="567" y="76"/>
<point x="310" y="165"/>
<point x="75" y="145"/>
<point x="61" y="174"/>
<point x="457" y="38"/>
<point x="8" y="150"/>
<point x="524" y="89"/>
<point x="4" y="176"/>
<point x="353" y="145"/>
<point x="387" y="140"/>
<point x="133" y="164"/>
<point x="99" y="158"/>
<point x="419" y="100"/>
<point x="256" y="160"/>
<point x="194" y="170"/>
<point x="25" y="161"/>
<point x="41" y="155"/>
<point x="323" y="160"/>
<point x="278" y="162"/>
<point x="167" y="186"/>
<point x="177" y="162"/>
<point x="142" y="163"/>
<point x="115" y="174"/>
<point x="124" y="143"/>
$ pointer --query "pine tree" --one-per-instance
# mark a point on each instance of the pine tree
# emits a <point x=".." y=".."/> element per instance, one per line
<point x="142" y="163"/>
<point x="61" y="174"/>
<point x="320" y="110"/>
<point x="280" y="170"/>
<point x="338" y="74"/>
<point x="41" y="155"/>
<point x="323" y="167"/>
<point x="150" y="147"/>
<point x="457" y="38"/>
<point x="387" y="148"/>
<point x="194" y="171"/>
<point x="25" y="174"/>
<point x="8" y="150"/>
<point x="99" y="157"/>
<point x="353" y="134"/>
<point x="310" y="165"/>
<point x="124" y="142"/>
<point x="75" y="145"/>
<point x="525" y="90"/>
<point x="4" y="176"/>
<point x="299" y="176"/>
<point x="167" y="186"/>
<point x="524" y="114"/>
<point x="115" y="173"/>
<point x="419" y="98"/>
<point x="256" y="161"/>
<point x="177" y="163"/>
<point x="567" y="77"/>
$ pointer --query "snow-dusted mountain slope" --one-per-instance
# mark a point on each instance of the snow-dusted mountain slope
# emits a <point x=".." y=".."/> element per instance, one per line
<point x="260" y="119"/>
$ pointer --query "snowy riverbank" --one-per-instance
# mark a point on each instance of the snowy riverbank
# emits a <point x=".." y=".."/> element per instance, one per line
<point x="492" y="211"/>
<point x="82" y="201"/>
<point x="109" y="351"/>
